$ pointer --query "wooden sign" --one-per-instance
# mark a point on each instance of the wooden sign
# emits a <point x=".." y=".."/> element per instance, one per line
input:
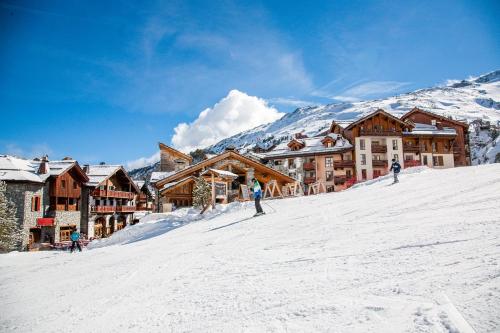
<point x="273" y="189"/>
<point x="244" y="194"/>
<point x="316" y="188"/>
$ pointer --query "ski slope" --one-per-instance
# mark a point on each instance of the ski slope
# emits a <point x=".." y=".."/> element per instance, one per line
<point x="419" y="256"/>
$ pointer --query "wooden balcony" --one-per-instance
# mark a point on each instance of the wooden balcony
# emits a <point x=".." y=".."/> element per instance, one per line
<point x="113" y="194"/>
<point x="411" y="148"/>
<point x="379" y="148"/>
<point x="125" y="209"/>
<point x="370" y="132"/>
<point x="379" y="163"/>
<point x="309" y="180"/>
<point x="103" y="209"/>
<point x="412" y="163"/>
<point x="339" y="180"/>
<point x="309" y="166"/>
<point x="343" y="164"/>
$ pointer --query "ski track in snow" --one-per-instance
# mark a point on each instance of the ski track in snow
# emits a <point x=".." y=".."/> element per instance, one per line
<point x="420" y="256"/>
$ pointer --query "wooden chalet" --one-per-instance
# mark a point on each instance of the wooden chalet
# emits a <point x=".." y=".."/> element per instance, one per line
<point x="228" y="171"/>
<point x="111" y="195"/>
<point x="441" y="136"/>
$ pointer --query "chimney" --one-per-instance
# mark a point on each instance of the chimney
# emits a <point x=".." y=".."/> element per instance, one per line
<point x="44" y="165"/>
<point x="86" y="168"/>
<point x="102" y="163"/>
<point x="231" y="148"/>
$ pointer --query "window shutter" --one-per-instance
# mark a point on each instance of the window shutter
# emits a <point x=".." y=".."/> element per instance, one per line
<point x="33" y="204"/>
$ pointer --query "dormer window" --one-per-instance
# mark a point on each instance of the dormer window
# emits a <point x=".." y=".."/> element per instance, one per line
<point x="433" y="122"/>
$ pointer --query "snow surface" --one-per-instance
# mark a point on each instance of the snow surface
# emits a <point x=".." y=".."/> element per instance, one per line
<point x="419" y="256"/>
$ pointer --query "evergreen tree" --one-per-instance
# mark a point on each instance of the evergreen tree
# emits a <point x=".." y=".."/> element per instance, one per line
<point x="10" y="232"/>
<point x="202" y="194"/>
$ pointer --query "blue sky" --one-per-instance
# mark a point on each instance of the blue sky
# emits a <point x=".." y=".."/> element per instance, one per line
<point x="107" y="80"/>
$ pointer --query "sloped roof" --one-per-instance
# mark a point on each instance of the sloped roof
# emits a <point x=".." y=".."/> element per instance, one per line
<point x="174" y="151"/>
<point x="425" y="129"/>
<point x="100" y="173"/>
<point x="417" y="110"/>
<point x="379" y="111"/>
<point x="18" y="169"/>
<point x="228" y="154"/>
<point x="222" y="173"/>
<point x="312" y="146"/>
<point x="172" y="185"/>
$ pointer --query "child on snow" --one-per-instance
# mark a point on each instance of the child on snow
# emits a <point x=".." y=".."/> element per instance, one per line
<point x="257" y="194"/>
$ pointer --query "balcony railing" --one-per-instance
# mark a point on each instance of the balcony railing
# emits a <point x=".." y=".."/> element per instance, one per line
<point x="343" y="164"/>
<point x="125" y="209"/>
<point x="103" y="209"/>
<point x="113" y="194"/>
<point x="379" y="163"/>
<point x="338" y="180"/>
<point x="309" y="166"/>
<point x="378" y="132"/>
<point x="309" y="180"/>
<point x="412" y="163"/>
<point x="411" y="148"/>
<point x="379" y="148"/>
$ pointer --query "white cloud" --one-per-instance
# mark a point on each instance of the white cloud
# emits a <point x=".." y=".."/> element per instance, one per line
<point x="37" y="150"/>
<point x="143" y="161"/>
<point x="234" y="113"/>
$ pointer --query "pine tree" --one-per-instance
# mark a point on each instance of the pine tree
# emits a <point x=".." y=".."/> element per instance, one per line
<point x="10" y="232"/>
<point x="202" y="194"/>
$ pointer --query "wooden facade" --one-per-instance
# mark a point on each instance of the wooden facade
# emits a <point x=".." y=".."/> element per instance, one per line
<point x="177" y="189"/>
<point x="65" y="190"/>
<point x="460" y="148"/>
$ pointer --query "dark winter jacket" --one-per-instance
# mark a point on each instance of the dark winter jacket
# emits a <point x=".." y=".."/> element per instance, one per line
<point x="396" y="167"/>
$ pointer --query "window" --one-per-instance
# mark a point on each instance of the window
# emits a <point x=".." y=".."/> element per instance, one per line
<point x="291" y="163"/>
<point x="348" y="173"/>
<point x="64" y="234"/>
<point x="376" y="157"/>
<point x="362" y="144"/>
<point x="363" y="174"/>
<point x="425" y="159"/>
<point x="330" y="188"/>
<point x="408" y="157"/>
<point x="433" y="122"/>
<point x="63" y="183"/>
<point x="438" y="160"/>
<point x="35" y="203"/>
<point x="328" y="162"/>
<point x="394" y="144"/>
<point x="363" y="159"/>
<point x="329" y="176"/>
<point x="433" y="147"/>
<point x="396" y="157"/>
<point x="278" y="162"/>
<point x="329" y="144"/>
<point x="377" y="173"/>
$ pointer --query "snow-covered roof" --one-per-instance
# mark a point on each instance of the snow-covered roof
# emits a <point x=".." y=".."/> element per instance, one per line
<point x="99" y="173"/>
<point x="54" y="168"/>
<point x="311" y="146"/>
<point x="139" y="183"/>
<point x="222" y="173"/>
<point x="18" y="169"/>
<point x="159" y="175"/>
<point x="426" y="129"/>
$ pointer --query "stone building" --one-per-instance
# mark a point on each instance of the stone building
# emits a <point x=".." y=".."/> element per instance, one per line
<point x="47" y="196"/>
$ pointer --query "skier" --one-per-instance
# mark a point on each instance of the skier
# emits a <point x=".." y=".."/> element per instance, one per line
<point x="257" y="194"/>
<point x="395" y="168"/>
<point x="75" y="236"/>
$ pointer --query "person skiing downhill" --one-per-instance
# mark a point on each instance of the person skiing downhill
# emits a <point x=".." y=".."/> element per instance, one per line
<point x="395" y="168"/>
<point x="257" y="194"/>
<point x="75" y="236"/>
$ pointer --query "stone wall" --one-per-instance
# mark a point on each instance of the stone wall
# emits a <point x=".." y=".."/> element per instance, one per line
<point x="21" y="195"/>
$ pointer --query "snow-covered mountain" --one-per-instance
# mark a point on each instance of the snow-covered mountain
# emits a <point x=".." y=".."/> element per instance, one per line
<point x="473" y="99"/>
<point x="421" y="256"/>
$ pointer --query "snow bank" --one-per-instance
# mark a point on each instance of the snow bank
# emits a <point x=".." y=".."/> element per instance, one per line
<point x="156" y="224"/>
<point x="419" y="256"/>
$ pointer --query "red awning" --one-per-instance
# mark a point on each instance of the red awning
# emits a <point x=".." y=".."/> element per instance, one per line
<point x="45" y="221"/>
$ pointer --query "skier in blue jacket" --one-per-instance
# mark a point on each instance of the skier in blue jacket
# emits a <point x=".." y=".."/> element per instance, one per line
<point x="395" y="168"/>
<point x="75" y="237"/>
<point x="257" y="194"/>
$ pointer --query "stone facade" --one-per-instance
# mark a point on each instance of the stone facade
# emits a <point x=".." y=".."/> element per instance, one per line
<point x="21" y="195"/>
